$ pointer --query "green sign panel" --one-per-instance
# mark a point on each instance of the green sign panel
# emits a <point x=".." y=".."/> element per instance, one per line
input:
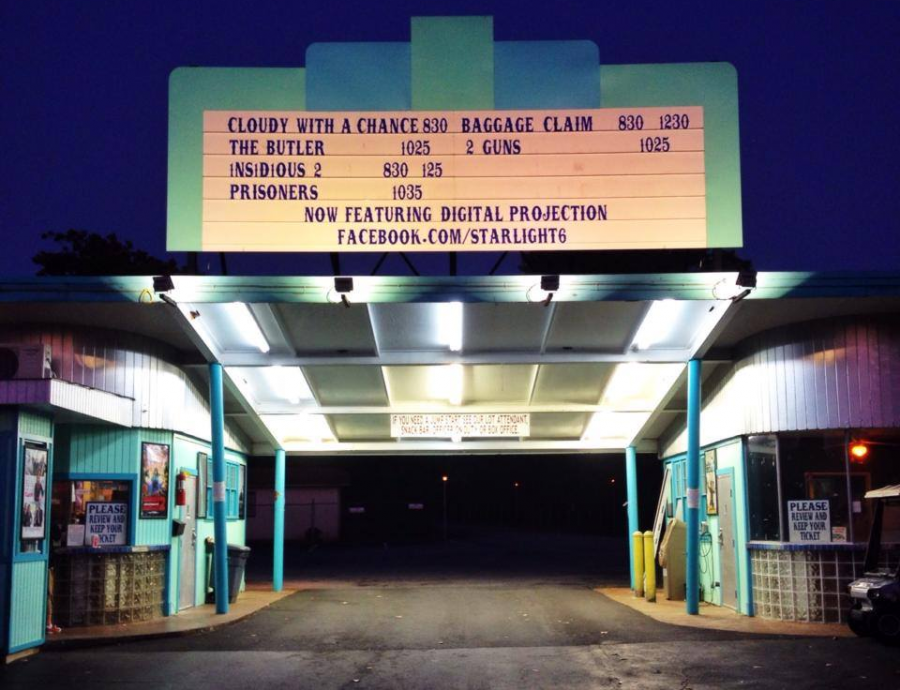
<point x="454" y="142"/>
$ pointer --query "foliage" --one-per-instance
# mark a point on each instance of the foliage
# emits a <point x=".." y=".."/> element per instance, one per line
<point x="83" y="253"/>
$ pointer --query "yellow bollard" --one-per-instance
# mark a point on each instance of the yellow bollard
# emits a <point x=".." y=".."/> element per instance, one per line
<point x="649" y="568"/>
<point x="637" y="540"/>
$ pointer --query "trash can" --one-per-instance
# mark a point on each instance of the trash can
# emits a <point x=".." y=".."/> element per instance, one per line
<point x="237" y="563"/>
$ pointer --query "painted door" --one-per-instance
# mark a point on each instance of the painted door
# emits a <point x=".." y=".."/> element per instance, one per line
<point x="187" y="575"/>
<point x="726" y="541"/>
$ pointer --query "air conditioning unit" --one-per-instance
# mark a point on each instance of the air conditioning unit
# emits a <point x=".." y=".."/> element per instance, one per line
<point x="25" y="362"/>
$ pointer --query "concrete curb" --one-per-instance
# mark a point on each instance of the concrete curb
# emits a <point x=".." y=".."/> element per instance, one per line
<point x="719" y="618"/>
<point x="207" y="624"/>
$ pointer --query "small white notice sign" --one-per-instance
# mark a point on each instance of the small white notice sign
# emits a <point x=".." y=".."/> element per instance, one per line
<point x="462" y="425"/>
<point x="809" y="521"/>
<point x="106" y="524"/>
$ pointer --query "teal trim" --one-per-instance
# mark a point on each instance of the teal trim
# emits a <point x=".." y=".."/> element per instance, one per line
<point x="185" y="455"/>
<point x="193" y="90"/>
<point x="452" y="63"/>
<point x="546" y="74"/>
<point x="735" y="508"/>
<point x="278" y="526"/>
<point x="133" y="479"/>
<point x="35" y="426"/>
<point x="747" y="562"/>
<point x="43" y="553"/>
<point x="632" y="488"/>
<point x="742" y="524"/>
<point x="692" y="511"/>
<point x="713" y="86"/>
<point x="217" y="419"/>
<point x="396" y="289"/>
<point x="358" y="76"/>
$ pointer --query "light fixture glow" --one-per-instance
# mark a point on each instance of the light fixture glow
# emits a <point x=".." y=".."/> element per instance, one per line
<point x="246" y="324"/>
<point x="308" y="428"/>
<point x="639" y="386"/>
<point x="455" y="318"/>
<point x="450" y="325"/>
<point x="859" y="451"/>
<point x="288" y="383"/>
<point x="658" y="324"/>
<point x="617" y="428"/>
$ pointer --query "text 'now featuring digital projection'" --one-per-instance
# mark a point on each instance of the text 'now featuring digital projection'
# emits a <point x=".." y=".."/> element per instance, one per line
<point x="457" y="180"/>
<point x="454" y="142"/>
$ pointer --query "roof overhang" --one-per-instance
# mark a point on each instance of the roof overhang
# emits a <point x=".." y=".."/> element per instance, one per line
<point x="598" y="364"/>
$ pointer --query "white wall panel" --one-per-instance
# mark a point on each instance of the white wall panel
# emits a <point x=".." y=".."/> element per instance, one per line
<point x="829" y="374"/>
<point x="159" y="394"/>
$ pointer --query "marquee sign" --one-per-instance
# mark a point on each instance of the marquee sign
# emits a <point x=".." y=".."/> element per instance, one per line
<point x="454" y="142"/>
<point x="438" y="181"/>
<point x="460" y="425"/>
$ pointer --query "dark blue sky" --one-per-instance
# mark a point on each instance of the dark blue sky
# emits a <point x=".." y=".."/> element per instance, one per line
<point x="84" y="109"/>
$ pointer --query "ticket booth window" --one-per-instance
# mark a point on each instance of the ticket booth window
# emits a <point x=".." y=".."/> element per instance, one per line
<point x="814" y="468"/>
<point x="70" y="499"/>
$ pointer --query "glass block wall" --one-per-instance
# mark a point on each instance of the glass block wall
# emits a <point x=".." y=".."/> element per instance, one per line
<point x="804" y="585"/>
<point x="107" y="589"/>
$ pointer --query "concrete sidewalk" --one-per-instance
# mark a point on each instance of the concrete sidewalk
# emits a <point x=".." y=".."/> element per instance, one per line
<point x="197" y="619"/>
<point x="719" y="617"/>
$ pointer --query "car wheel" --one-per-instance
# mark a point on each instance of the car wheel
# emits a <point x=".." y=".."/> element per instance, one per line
<point x="888" y="627"/>
<point x="857" y="625"/>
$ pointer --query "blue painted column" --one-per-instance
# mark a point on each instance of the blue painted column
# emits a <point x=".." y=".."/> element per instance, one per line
<point x="278" y="534"/>
<point x="217" y="417"/>
<point x="631" y="485"/>
<point x="692" y="514"/>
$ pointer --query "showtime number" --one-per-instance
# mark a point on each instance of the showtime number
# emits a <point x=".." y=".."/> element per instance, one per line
<point x="655" y="145"/>
<point x="416" y="147"/>
<point x="403" y="192"/>
<point x="674" y="121"/>
<point x="395" y="170"/>
<point x="629" y="123"/>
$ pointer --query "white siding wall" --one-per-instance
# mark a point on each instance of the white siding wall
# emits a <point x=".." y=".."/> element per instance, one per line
<point x="830" y="374"/>
<point x="134" y="368"/>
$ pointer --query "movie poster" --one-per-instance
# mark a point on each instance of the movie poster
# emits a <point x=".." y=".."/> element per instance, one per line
<point x="34" y="492"/>
<point x="712" y="487"/>
<point x="154" y="480"/>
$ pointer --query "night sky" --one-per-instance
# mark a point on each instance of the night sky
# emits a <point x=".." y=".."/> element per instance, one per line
<point x="84" y="110"/>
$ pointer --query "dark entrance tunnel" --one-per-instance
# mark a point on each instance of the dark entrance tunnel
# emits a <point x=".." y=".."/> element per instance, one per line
<point x="507" y="516"/>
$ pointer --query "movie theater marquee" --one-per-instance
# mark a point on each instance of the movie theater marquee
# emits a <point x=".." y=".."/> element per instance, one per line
<point x="438" y="181"/>
<point x="454" y="142"/>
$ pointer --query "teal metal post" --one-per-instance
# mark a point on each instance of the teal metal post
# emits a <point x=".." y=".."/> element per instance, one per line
<point x="631" y="485"/>
<point x="692" y="514"/>
<point x="278" y="535"/>
<point x="217" y="416"/>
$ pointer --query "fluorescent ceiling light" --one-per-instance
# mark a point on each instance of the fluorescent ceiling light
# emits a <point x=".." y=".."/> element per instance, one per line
<point x="288" y="383"/>
<point x="431" y="384"/>
<point x="638" y="386"/>
<point x="616" y="427"/>
<point x="312" y="428"/>
<point x="450" y="325"/>
<point x="246" y="324"/>
<point x="658" y="324"/>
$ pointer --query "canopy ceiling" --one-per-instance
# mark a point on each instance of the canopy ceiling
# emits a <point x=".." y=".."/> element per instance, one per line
<point x="597" y="367"/>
